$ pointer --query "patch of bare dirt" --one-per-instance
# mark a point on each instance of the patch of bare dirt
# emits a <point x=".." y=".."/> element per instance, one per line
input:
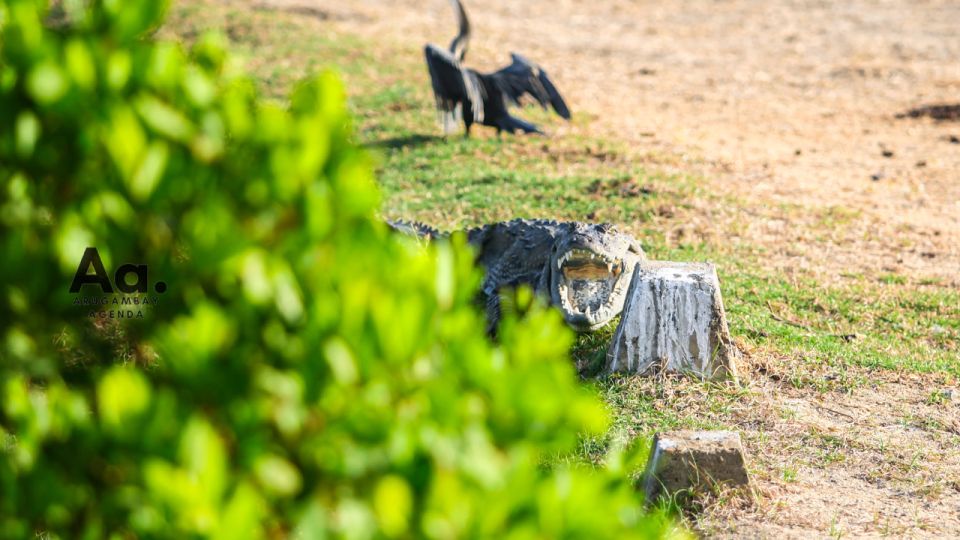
<point x="878" y="460"/>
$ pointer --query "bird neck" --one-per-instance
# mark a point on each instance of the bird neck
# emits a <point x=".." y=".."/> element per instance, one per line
<point x="458" y="47"/>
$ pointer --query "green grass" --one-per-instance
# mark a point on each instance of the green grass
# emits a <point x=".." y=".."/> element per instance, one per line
<point x="454" y="181"/>
<point x="826" y="336"/>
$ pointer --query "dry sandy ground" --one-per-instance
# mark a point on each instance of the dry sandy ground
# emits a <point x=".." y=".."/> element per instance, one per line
<point x="789" y="107"/>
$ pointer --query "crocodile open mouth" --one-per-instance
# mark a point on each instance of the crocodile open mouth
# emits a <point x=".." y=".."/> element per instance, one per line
<point x="589" y="286"/>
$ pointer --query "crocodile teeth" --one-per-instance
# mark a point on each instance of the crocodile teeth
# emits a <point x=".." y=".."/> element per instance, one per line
<point x="589" y="288"/>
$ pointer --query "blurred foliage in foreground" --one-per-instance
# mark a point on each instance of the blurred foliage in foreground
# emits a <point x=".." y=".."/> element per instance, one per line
<point x="305" y="373"/>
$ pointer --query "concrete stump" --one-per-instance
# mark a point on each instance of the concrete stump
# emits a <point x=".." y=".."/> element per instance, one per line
<point x="694" y="461"/>
<point x="673" y="320"/>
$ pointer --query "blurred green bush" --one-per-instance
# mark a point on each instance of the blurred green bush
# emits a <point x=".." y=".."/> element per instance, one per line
<point x="305" y="373"/>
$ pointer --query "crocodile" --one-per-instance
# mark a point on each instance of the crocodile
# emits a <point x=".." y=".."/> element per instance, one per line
<point x="583" y="269"/>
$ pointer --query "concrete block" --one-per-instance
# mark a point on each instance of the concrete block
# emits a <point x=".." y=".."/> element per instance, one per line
<point x="694" y="461"/>
<point x="673" y="320"/>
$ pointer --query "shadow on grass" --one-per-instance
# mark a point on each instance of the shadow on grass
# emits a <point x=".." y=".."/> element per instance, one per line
<point x="414" y="140"/>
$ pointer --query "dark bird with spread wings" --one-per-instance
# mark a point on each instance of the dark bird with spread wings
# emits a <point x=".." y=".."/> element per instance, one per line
<point x="483" y="98"/>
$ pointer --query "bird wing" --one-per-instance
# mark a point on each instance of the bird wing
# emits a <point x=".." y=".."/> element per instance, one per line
<point x="452" y="84"/>
<point x="523" y="77"/>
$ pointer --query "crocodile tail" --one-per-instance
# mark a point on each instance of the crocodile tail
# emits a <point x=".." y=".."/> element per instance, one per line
<point x="415" y="228"/>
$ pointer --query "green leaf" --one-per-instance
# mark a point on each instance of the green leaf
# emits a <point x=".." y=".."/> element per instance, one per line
<point x="393" y="504"/>
<point x="341" y="361"/>
<point x="204" y="457"/>
<point x="122" y="394"/>
<point x="278" y="476"/>
<point x="163" y="118"/>
<point x="80" y="64"/>
<point x="119" y="67"/>
<point x="28" y="131"/>
<point x="243" y="516"/>
<point x="73" y="238"/>
<point x="47" y="83"/>
<point x="125" y="140"/>
<point x="150" y="171"/>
